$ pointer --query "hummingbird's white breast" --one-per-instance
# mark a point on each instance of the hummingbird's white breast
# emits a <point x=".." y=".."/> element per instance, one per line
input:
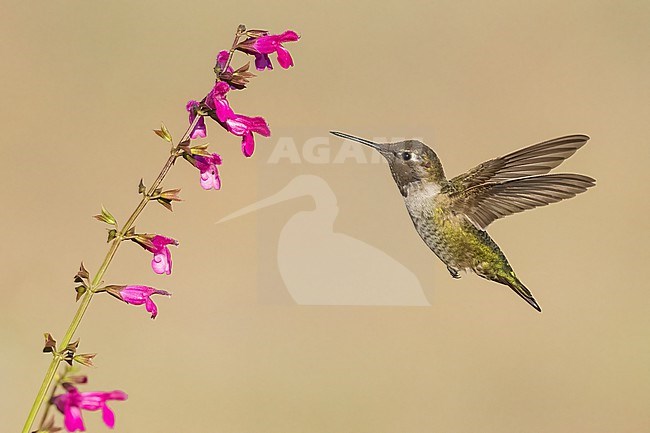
<point x="419" y="196"/>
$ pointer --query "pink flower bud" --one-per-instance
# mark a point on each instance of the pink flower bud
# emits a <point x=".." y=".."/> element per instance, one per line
<point x="137" y="295"/>
<point x="222" y="59"/>
<point x="199" y="130"/>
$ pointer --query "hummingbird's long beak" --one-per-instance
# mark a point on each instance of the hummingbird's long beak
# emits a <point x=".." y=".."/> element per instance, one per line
<point x="357" y="139"/>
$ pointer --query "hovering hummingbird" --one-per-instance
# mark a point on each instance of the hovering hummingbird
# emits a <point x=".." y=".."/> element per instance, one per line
<point x="451" y="215"/>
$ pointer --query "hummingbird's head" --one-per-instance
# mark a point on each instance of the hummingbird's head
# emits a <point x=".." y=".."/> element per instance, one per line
<point x="410" y="161"/>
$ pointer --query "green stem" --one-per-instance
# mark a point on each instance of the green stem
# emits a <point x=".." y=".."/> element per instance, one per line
<point x="49" y="399"/>
<point x="51" y="372"/>
<point x="240" y="31"/>
<point x="96" y="281"/>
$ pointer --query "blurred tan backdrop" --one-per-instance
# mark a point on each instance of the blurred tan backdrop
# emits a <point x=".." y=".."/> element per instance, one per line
<point x="84" y="83"/>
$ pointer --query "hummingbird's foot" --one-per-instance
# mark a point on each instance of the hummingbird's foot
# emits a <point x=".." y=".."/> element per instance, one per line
<point x="455" y="273"/>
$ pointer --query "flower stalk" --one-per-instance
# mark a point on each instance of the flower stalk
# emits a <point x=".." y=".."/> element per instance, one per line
<point x="241" y="29"/>
<point x="257" y="43"/>
<point x="97" y="279"/>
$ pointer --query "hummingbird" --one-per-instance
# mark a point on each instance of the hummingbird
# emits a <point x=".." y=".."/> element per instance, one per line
<point x="451" y="215"/>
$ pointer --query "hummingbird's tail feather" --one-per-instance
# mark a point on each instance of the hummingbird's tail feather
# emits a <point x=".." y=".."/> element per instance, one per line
<point x="508" y="278"/>
<point x="522" y="291"/>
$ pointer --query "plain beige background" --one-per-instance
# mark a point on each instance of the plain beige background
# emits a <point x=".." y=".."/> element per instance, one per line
<point x="83" y="83"/>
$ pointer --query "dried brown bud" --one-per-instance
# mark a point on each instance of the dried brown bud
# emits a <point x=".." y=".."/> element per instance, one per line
<point x="50" y="343"/>
<point x="83" y="272"/>
<point x="171" y="194"/>
<point x="73" y="346"/>
<point x="85" y="359"/>
<point x="69" y="352"/>
<point x="81" y="276"/>
<point x="166" y="198"/>
<point x="241" y="76"/>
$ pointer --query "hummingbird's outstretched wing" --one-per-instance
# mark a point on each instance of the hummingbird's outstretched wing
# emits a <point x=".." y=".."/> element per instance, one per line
<point x="533" y="160"/>
<point x="485" y="203"/>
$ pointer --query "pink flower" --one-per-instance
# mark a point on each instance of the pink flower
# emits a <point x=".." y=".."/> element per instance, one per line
<point x="162" y="258"/>
<point x="157" y="244"/>
<point x="138" y="295"/>
<point x="199" y="130"/>
<point x="273" y="43"/>
<point x="222" y="59"/>
<point x="244" y="126"/>
<point x="207" y="165"/>
<point x="72" y="402"/>
<point x="262" y="46"/>
<point x="217" y="100"/>
<point x="236" y="124"/>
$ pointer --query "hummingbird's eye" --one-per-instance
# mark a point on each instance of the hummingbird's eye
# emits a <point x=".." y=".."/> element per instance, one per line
<point x="406" y="156"/>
